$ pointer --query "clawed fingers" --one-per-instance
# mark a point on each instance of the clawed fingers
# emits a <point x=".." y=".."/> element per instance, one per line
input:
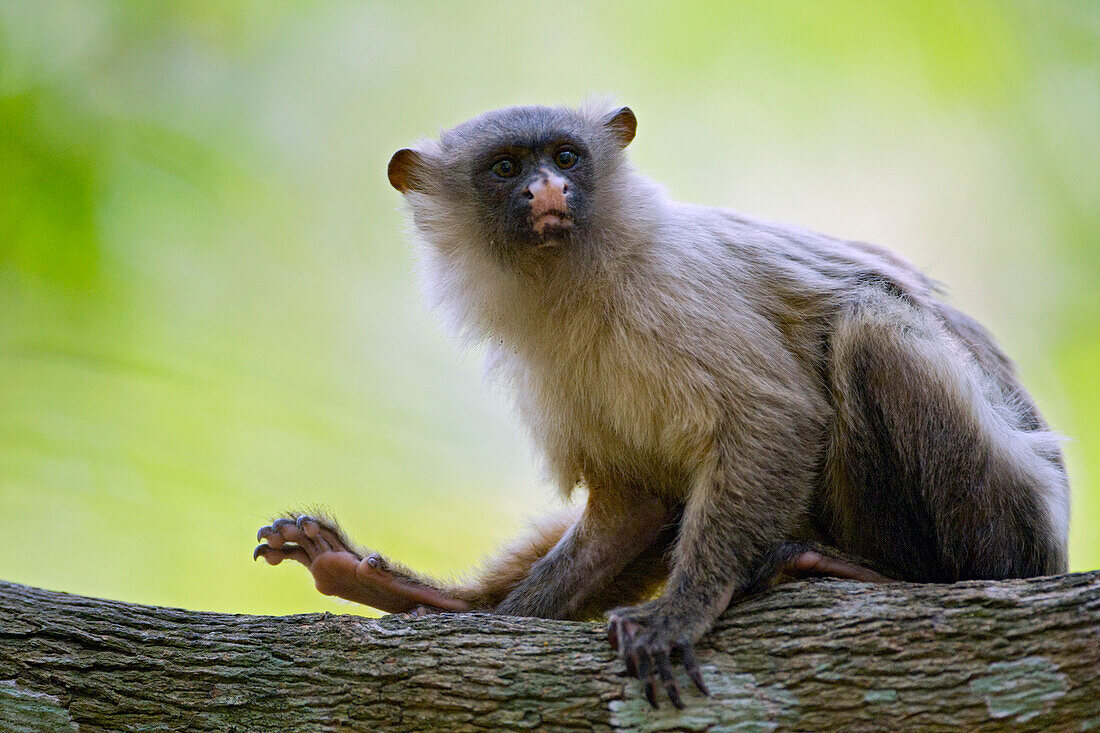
<point x="648" y="658"/>
<point x="687" y="654"/>
<point x="275" y="555"/>
<point x="664" y="668"/>
<point x="291" y="531"/>
<point x="647" y="673"/>
<point x="327" y="539"/>
<point x="620" y="630"/>
<point x="285" y="538"/>
<point x="303" y="538"/>
<point x="270" y="535"/>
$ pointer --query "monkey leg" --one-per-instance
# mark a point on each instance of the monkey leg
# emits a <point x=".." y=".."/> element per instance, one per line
<point x="935" y="472"/>
<point x="639" y="581"/>
<point x="593" y="558"/>
<point x="343" y="569"/>
<point x="340" y="569"/>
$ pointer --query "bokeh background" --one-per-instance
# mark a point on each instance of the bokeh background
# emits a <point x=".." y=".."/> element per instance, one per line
<point x="207" y="304"/>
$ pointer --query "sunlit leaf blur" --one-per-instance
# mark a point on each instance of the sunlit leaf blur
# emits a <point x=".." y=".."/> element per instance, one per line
<point x="208" y="311"/>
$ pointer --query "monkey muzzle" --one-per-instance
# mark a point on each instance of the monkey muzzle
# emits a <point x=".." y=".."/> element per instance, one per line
<point x="549" y="197"/>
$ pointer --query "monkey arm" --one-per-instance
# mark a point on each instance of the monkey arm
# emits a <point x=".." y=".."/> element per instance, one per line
<point x="746" y="499"/>
<point x="592" y="559"/>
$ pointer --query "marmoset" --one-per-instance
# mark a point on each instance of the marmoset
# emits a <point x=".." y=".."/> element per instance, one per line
<point x="738" y="398"/>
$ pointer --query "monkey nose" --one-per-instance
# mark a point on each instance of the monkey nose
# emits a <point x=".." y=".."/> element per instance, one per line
<point x="547" y="193"/>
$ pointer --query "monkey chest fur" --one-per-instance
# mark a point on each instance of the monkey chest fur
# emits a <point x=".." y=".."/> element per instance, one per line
<point x="644" y="401"/>
<point x="618" y="405"/>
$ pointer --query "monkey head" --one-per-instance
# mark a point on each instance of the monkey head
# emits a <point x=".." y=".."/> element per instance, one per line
<point x="518" y="177"/>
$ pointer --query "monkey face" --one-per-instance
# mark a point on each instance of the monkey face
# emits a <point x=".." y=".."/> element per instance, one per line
<point x="532" y="191"/>
<point x="522" y="176"/>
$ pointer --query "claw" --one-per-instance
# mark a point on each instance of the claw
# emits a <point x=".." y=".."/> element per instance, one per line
<point x="673" y="691"/>
<point x="646" y="675"/>
<point x="309" y="525"/>
<point x="692" y="668"/>
<point x="275" y="555"/>
<point x="263" y="532"/>
<point x="697" y="677"/>
<point x="632" y="662"/>
<point x="664" y="668"/>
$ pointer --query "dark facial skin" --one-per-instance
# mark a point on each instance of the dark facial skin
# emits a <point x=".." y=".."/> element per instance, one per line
<point x="530" y="174"/>
<point x="531" y="191"/>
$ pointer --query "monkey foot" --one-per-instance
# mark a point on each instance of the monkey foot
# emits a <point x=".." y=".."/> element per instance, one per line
<point x="811" y="563"/>
<point x="340" y="570"/>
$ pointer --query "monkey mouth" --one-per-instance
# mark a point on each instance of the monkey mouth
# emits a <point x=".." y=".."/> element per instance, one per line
<point x="551" y="220"/>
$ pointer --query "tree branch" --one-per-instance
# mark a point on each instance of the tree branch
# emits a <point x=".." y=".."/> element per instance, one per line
<point x="819" y="655"/>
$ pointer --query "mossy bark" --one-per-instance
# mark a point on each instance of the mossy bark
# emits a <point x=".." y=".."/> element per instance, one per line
<point x="820" y="655"/>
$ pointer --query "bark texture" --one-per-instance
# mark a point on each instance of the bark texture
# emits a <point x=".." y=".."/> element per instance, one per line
<point x="816" y="655"/>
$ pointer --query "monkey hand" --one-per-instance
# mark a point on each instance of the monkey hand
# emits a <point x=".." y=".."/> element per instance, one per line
<point x="646" y="637"/>
<point x="339" y="569"/>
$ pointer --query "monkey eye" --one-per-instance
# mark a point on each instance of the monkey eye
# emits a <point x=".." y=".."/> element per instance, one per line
<point x="565" y="158"/>
<point x="506" y="167"/>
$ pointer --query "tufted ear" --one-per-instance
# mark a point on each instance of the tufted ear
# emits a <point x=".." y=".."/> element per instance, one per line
<point x="407" y="170"/>
<point x="623" y="124"/>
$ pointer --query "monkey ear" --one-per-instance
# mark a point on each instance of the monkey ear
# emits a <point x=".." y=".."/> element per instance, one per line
<point x="623" y="124"/>
<point x="406" y="171"/>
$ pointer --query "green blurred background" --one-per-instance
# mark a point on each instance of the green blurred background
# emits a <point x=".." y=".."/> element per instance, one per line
<point x="207" y="306"/>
